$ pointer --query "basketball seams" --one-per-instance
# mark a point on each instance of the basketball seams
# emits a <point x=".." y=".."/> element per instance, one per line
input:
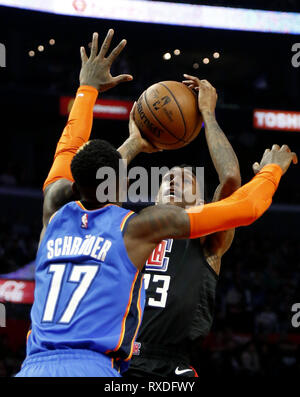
<point x="171" y="133"/>
<point x="183" y="119"/>
<point x="165" y="128"/>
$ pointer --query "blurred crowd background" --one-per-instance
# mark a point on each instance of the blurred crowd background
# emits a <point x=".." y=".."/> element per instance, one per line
<point x="252" y="333"/>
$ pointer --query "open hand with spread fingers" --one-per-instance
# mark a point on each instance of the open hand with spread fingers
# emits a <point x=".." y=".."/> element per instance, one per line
<point x="283" y="156"/>
<point x="95" y="69"/>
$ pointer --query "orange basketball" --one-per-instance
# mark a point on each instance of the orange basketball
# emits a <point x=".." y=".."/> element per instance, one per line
<point x="167" y="115"/>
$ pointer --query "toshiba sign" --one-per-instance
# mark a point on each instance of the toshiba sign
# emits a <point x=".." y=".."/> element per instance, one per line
<point x="276" y="120"/>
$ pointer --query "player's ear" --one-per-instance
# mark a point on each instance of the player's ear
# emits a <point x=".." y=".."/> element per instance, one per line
<point x="75" y="191"/>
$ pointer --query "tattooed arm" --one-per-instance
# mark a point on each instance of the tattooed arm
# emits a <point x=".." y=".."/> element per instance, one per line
<point x="135" y="143"/>
<point x="242" y="208"/>
<point x="224" y="160"/>
<point x="227" y="167"/>
<point x="223" y="157"/>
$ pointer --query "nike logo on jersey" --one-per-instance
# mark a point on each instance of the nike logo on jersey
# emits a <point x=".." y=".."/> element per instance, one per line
<point x="181" y="371"/>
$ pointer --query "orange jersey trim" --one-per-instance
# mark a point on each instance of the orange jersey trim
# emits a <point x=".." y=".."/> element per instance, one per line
<point x="52" y="216"/>
<point x="96" y="209"/>
<point x="125" y="316"/>
<point x="80" y="205"/>
<point x="126" y="217"/>
<point x="28" y="334"/>
<point x="139" y="321"/>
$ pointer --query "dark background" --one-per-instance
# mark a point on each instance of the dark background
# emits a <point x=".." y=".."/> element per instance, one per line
<point x="259" y="279"/>
<point x="253" y="71"/>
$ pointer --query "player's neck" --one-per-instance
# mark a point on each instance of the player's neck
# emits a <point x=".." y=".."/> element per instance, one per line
<point x="89" y="199"/>
<point x="95" y="204"/>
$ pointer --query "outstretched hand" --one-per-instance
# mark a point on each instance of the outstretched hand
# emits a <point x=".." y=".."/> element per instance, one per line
<point x="95" y="69"/>
<point x="283" y="156"/>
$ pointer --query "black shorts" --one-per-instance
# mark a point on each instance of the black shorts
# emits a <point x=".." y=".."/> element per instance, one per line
<point x="156" y="361"/>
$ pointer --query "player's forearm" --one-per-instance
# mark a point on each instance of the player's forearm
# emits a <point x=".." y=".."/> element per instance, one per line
<point x="79" y="126"/>
<point x="242" y="208"/>
<point x="76" y="132"/>
<point x="129" y="150"/>
<point x="222" y="155"/>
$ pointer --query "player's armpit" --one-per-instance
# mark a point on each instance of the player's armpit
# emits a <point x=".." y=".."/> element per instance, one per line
<point x="75" y="134"/>
<point x="240" y="209"/>
<point x="56" y="195"/>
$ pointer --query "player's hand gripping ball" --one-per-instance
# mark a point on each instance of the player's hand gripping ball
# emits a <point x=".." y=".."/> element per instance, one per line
<point x="167" y="115"/>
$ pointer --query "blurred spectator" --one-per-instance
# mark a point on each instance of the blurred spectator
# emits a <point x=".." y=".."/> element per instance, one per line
<point x="250" y="362"/>
<point x="18" y="243"/>
<point x="266" y="322"/>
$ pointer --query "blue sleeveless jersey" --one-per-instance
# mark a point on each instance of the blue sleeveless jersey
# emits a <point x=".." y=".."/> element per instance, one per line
<point x="88" y="294"/>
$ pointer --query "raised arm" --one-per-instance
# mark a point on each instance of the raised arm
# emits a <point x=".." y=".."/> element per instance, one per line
<point x="94" y="77"/>
<point x="223" y="158"/>
<point x="242" y="208"/>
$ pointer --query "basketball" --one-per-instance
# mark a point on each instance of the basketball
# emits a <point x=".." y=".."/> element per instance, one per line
<point x="167" y="115"/>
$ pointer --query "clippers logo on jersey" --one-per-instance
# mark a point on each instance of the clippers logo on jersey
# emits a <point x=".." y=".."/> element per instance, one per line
<point x="158" y="260"/>
<point x="136" y="349"/>
<point x="84" y="221"/>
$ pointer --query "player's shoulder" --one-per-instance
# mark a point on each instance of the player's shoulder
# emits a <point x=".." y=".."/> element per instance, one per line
<point x="112" y="211"/>
<point x="69" y="207"/>
<point x="56" y="195"/>
<point x="59" y="192"/>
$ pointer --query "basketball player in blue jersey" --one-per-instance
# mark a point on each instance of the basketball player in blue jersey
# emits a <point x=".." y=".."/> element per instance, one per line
<point x="89" y="295"/>
<point x="95" y="77"/>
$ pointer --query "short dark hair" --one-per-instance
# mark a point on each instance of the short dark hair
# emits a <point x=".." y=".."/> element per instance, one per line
<point x="95" y="154"/>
